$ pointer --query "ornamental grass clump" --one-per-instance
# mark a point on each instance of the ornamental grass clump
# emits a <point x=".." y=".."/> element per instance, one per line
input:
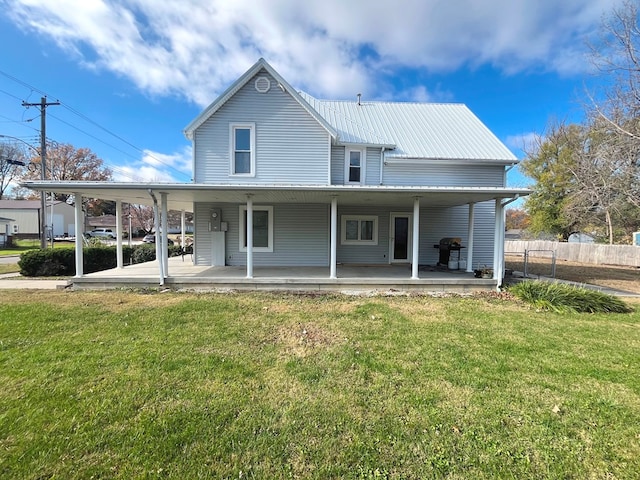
<point x="561" y="297"/>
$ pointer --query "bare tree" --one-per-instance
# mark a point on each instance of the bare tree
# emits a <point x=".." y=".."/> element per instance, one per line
<point x="10" y="169"/>
<point x="616" y="108"/>
<point x="65" y="162"/>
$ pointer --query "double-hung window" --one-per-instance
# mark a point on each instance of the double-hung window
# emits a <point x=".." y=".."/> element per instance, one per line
<point x="242" y="149"/>
<point x="262" y="229"/>
<point x="359" y="230"/>
<point x="354" y="166"/>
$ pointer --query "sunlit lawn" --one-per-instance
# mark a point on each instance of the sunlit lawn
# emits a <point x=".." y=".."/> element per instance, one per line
<point x="133" y="385"/>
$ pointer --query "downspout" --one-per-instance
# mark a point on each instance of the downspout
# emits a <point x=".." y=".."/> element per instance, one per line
<point x="381" y="164"/>
<point x="156" y="227"/>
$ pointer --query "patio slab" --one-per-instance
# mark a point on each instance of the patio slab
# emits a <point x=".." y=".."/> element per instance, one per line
<point x="183" y="275"/>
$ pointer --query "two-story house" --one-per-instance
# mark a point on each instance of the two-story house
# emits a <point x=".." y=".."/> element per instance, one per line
<point x="281" y="178"/>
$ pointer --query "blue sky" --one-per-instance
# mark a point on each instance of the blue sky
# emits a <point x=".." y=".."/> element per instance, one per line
<point x="131" y="74"/>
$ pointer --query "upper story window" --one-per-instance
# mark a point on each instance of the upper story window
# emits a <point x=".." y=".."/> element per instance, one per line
<point x="243" y="151"/>
<point x="354" y="166"/>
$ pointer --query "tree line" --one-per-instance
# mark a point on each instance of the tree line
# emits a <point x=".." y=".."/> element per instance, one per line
<point x="587" y="174"/>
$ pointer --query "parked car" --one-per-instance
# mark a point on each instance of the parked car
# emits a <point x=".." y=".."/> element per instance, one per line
<point x="101" y="233"/>
<point x="151" y="238"/>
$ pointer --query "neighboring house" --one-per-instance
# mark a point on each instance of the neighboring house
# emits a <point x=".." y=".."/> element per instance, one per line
<point x="326" y="182"/>
<point x="26" y="218"/>
<point x="5" y="231"/>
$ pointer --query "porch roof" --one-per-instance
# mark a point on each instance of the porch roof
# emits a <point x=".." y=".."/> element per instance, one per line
<point x="181" y="196"/>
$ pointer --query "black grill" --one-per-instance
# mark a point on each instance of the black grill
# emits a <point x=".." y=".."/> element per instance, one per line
<point x="446" y="246"/>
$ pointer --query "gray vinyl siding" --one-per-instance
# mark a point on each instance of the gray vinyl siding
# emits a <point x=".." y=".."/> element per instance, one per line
<point x="365" y="254"/>
<point x="445" y="175"/>
<point x="437" y="223"/>
<point x="337" y="165"/>
<point x="300" y="236"/>
<point x="372" y="165"/>
<point x="291" y="146"/>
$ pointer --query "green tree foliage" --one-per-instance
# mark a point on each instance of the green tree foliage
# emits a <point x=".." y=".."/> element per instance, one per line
<point x="551" y="163"/>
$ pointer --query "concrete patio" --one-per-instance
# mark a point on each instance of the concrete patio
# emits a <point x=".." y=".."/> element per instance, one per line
<point x="183" y="275"/>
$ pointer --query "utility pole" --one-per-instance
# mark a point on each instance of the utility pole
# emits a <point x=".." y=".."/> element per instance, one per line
<point x="43" y="163"/>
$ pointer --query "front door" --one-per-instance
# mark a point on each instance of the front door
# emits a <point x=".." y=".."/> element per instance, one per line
<point x="400" y="238"/>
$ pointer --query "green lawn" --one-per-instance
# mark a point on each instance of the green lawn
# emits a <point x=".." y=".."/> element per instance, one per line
<point x="134" y="385"/>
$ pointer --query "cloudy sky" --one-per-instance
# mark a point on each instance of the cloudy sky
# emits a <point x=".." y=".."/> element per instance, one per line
<point x="131" y="74"/>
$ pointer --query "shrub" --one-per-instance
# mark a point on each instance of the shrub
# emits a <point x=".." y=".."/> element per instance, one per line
<point x="561" y="297"/>
<point x="144" y="253"/>
<point x="47" y="263"/>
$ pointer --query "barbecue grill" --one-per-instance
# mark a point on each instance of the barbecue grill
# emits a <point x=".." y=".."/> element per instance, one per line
<point x="446" y="246"/>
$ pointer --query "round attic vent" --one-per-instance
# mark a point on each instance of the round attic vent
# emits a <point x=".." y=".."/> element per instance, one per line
<point x="262" y="84"/>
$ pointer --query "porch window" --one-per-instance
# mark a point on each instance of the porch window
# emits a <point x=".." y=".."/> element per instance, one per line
<point x="262" y="229"/>
<point x="359" y="230"/>
<point x="242" y="142"/>
<point x="354" y="167"/>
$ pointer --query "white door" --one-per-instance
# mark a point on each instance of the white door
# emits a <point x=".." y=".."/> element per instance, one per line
<point x="400" y="235"/>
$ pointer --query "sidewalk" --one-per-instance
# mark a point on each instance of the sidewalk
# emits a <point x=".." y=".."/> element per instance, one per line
<point x="16" y="281"/>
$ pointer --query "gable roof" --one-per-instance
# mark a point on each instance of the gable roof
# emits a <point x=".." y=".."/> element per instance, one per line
<point x="241" y="82"/>
<point x="413" y="130"/>
<point x="425" y="131"/>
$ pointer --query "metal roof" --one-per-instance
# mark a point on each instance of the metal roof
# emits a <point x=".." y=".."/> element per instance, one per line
<point x="413" y="130"/>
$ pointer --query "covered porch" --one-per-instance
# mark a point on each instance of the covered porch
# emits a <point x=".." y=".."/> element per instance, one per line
<point x="349" y="278"/>
<point x="412" y="201"/>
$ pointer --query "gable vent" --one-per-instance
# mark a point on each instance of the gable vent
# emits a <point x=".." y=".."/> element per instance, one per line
<point x="262" y="84"/>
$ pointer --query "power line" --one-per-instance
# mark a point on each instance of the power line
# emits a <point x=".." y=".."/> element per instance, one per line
<point x="87" y="119"/>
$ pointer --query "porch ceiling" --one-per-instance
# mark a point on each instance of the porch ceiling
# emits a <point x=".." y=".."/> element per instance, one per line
<point x="181" y="196"/>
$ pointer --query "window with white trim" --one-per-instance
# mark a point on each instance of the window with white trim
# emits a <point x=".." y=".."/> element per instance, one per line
<point x="262" y="229"/>
<point x="242" y="149"/>
<point x="359" y="230"/>
<point x="354" y="166"/>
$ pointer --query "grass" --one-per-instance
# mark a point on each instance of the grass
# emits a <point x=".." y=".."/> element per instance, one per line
<point x="135" y="385"/>
<point x="22" y="246"/>
<point x="9" y="268"/>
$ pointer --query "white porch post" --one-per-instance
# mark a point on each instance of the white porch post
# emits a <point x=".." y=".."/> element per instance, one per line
<point x="119" y="259"/>
<point x="415" y="260"/>
<point x="156" y="227"/>
<point x="334" y="238"/>
<point x="470" y="234"/>
<point x="183" y="226"/>
<point x="498" y="245"/>
<point x="165" y="234"/>
<point x="79" y="221"/>
<point x="249" y="231"/>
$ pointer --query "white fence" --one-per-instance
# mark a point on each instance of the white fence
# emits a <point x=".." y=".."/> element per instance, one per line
<point x="626" y="255"/>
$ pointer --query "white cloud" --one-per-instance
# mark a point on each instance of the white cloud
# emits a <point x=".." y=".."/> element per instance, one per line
<point x="157" y="167"/>
<point x="331" y="48"/>
<point x="524" y="142"/>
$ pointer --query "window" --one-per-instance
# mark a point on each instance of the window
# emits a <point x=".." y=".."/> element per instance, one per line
<point x="354" y="168"/>
<point x="359" y="230"/>
<point x="242" y="143"/>
<point x="262" y="229"/>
